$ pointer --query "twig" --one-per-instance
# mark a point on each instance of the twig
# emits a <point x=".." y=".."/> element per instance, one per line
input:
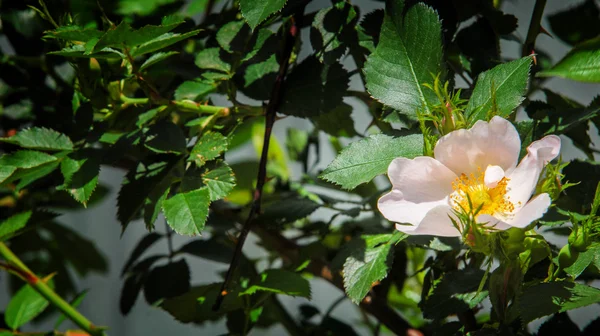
<point x="270" y="113"/>
<point x="534" y="27"/>
<point x="16" y="266"/>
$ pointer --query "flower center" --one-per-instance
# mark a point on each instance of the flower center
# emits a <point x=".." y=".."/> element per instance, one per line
<point x="472" y="195"/>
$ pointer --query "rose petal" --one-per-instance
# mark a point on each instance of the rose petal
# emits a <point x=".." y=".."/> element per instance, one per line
<point x="396" y="208"/>
<point x="422" y="179"/>
<point x="524" y="178"/>
<point x="493" y="175"/>
<point x="436" y="223"/>
<point x="495" y="143"/>
<point x="532" y="211"/>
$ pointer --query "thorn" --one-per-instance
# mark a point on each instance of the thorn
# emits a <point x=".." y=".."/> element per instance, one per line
<point x="545" y="32"/>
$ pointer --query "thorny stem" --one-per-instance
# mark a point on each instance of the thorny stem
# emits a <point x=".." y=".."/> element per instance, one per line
<point x="16" y="266"/>
<point x="534" y="27"/>
<point x="270" y="114"/>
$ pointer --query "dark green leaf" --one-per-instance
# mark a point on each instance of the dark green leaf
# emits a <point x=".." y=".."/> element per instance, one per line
<point x="156" y="58"/>
<point x="186" y="212"/>
<point x="143" y="188"/>
<point x="26" y="159"/>
<point x="165" y="137"/>
<point x="24" y="306"/>
<point x="279" y="281"/>
<point x="455" y="293"/>
<point x="554" y="297"/>
<point x="256" y="12"/>
<point x="332" y="28"/>
<point x="80" y="171"/>
<point x="296" y="144"/>
<point x="582" y="63"/>
<point x="75" y="33"/>
<point x="208" y="147"/>
<point x="337" y="122"/>
<point x="232" y="36"/>
<point x="162" y="42"/>
<point x="167" y="281"/>
<point x="210" y="59"/>
<point x="129" y="7"/>
<point x="313" y="88"/>
<point x="194" y="90"/>
<point x="409" y="54"/>
<point x="6" y="172"/>
<point x="363" y="160"/>
<point x="259" y="78"/>
<point x="499" y="90"/>
<point x="40" y="138"/>
<point x="368" y="262"/>
<point x="11" y="225"/>
<point x="123" y="36"/>
<point x="28" y="176"/>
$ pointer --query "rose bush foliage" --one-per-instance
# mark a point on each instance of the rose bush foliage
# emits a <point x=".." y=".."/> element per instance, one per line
<point x="478" y="227"/>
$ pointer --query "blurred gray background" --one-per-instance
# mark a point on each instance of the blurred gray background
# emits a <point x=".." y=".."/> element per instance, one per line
<point x="100" y="225"/>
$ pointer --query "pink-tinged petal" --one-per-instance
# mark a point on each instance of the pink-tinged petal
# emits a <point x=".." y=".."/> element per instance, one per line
<point x="396" y="208"/>
<point x="436" y="223"/>
<point x="532" y="211"/>
<point x="493" y="175"/>
<point x="422" y="179"/>
<point x="495" y="143"/>
<point x="524" y="178"/>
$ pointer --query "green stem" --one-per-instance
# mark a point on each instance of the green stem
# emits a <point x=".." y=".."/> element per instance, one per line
<point x="133" y="101"/>
<point x="192" y="106"/>
<point x="19" y="268"/>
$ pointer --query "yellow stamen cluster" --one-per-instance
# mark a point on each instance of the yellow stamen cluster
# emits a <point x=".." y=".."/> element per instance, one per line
<point x="471" y="194"/>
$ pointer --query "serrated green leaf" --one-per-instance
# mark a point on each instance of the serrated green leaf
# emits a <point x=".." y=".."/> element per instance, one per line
<point x="78" y="50"/>
<point x="186" y="212"/>
<point x="25" y="159"/>
<point x="6" y="172"/>
<point x="194" y="90"/>
<point x="279" y="281"/>
<point x="162" y="42"/>
<point x="24" y="306"/>
<point x="81" y="171"/>
<point x="165" y="137"/>
<point x="156" y="58"/>
<point x="409" y="54"/>
<point x="256" y="12"/>
<point x="40" y="138"/>
<point x="11" y="225"/>
<point x="454" y="293"/>
<point x="28" y="176"/>
<point x="210" y="59"/>
<point x="500" y="89"/>
<point x="208" y="147"/>
<point x="553" y="297"/>
<point x="232" y="36"/>
<point x="363" y="160"/>
<point x="259" y="78"/>
<point x="582" y="63"/>
<point x="75" y="33"/>
<point x="313" y="88"/>
<point x="368" y="262"/>
<point x="123" y="36"/>
<point x="220" y="180"/>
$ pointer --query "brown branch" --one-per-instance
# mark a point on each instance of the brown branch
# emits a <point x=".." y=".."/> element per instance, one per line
<point x="270" y="113"/>
<point x="378" y="307"/>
